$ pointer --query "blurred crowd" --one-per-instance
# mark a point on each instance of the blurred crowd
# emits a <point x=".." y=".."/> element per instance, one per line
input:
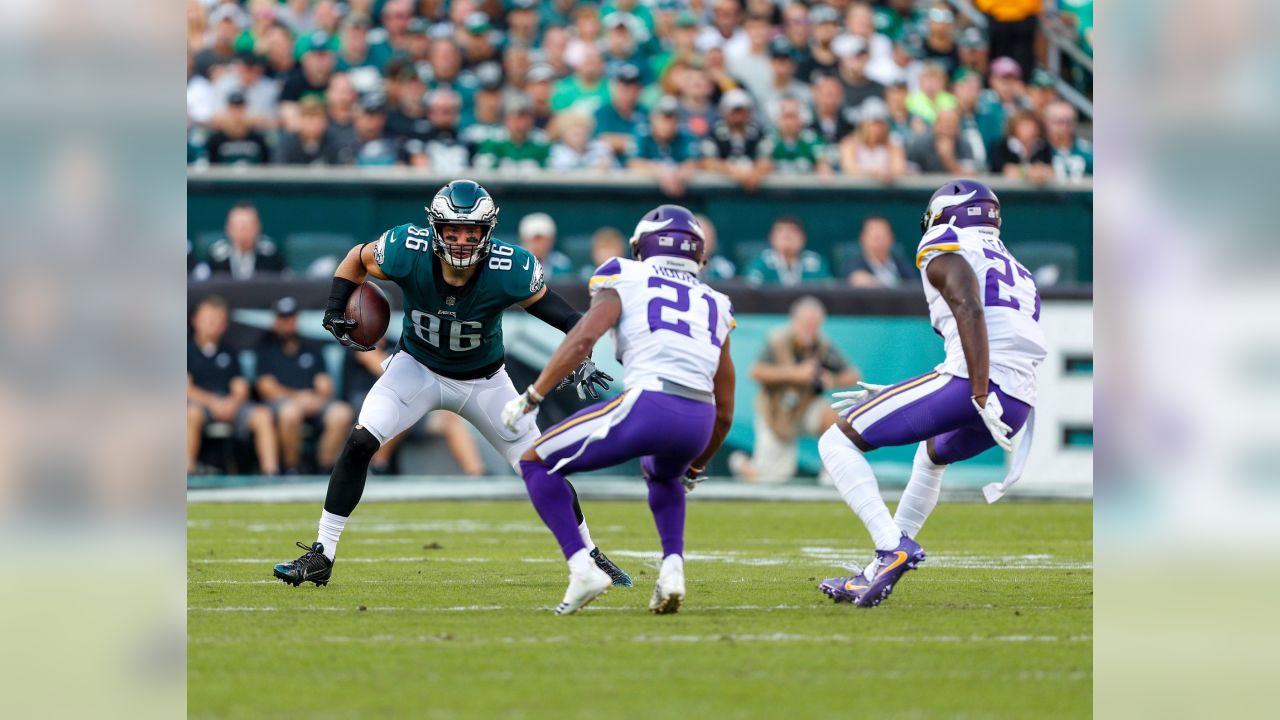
<point x="663" y="88"/>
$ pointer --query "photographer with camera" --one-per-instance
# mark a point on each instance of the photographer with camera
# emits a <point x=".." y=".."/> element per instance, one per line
<point x="798" y="366"/>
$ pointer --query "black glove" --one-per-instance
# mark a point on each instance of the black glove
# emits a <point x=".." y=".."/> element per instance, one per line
<point x="692" y="477"/>
<point x="586" y="377"/>
<point x="336" y="322"/>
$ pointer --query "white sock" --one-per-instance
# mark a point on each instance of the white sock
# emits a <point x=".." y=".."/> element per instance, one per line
<point x="921" y="494"/>
<point x="580" y="563"/>
<point x="330" y="530"/>
<point x="857" y="485"/>
<point x="586" y="535"/>
<point x="671" y="563"/>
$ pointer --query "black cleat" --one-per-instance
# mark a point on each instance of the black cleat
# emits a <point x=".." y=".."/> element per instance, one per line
<point x="313" y="566"/>
<point x="618" y="575"/>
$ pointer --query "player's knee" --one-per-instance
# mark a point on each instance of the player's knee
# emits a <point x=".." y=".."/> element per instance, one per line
<point x="832" y="442"/>
<point x="361" y="444"/>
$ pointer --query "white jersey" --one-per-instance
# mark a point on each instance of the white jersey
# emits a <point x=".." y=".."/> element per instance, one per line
<point x="672" y="324"/>
<point x="1010" y="301"/>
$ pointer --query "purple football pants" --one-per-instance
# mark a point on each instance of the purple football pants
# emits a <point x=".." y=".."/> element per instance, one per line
<point x="666" y="432"/>
<point x="936" y="406"/>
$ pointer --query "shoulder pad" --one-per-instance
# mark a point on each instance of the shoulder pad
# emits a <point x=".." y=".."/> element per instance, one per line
<point x="608" y="275"/>
<point x="938" y="240"/>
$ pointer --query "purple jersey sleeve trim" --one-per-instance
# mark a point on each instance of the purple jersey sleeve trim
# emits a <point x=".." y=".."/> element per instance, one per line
<point x="946" y="236"/>
<point x="610" y="267"/>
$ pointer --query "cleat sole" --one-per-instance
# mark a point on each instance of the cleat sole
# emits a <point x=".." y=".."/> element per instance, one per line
<point x="668" y="605"/>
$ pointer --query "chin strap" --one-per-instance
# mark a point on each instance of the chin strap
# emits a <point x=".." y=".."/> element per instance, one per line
<point x="994" y="491"/>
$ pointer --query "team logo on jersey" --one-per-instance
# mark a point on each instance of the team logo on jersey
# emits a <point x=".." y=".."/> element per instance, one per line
<point x="450" y="300"/>
<point x="535" y="284"/>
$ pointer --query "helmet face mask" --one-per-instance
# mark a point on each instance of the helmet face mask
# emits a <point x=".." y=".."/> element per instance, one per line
<point x="962" y="203"/>
<point x="461" y="203"/>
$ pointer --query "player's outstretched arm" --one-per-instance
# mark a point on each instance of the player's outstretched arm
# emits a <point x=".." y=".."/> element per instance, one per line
<point x="606" y="308"/>
<point x="725" y="379"/>
<point x="552" y="309"/>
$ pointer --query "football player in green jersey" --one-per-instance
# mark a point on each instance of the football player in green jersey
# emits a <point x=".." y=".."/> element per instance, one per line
<point x="457" y="281"/>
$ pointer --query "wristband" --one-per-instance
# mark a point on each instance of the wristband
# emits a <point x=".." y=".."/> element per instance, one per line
<point x="339" y="293"/>
<point x="533" y="395"/>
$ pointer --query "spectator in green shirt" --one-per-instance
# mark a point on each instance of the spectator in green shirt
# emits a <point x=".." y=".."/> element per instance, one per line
<point x="392" y="37"/>
<point x="520" y="147"/>
<point x="586" y="86"/>
<point x="678" y="45"/>
<point x="797" y="150"/>
<point x="666" y="152"/>
<point x="932" y="95"/>
<point x="1042" y="91"/>
<point x="1072" y="156"/>
<point x="971" y="46"/>
<point x="353" y="48"/>
<point x="785" y="262"/>
<point x="523" y="23"/>
<point x="1000" y="101"/>
<point x="621" y="120"/>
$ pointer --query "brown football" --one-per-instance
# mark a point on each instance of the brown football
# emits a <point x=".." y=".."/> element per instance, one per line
<point x="368" y="306"/>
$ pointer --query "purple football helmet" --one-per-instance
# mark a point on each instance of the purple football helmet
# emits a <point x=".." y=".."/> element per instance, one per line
<point x="962" y="203"/>
<point x="669" y="230"/>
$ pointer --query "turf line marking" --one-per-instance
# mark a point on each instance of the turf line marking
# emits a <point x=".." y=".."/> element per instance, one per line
<point x="731" y="637"/>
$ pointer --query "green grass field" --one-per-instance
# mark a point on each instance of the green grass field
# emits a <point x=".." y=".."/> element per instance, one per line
<point x="443" y="610"/>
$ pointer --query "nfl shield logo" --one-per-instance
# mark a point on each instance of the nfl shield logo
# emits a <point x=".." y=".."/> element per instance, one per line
<point x="450" y="300"/>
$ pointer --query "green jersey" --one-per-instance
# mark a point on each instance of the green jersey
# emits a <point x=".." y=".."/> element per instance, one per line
<point x="798" y="156"/>
<point x="455" y="331"/>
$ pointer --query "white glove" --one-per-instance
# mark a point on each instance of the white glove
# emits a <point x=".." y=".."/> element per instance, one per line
<point x="518" y="407"/>
<point x="691" y="478"/>
<point x="849" y="398"/>
<point x="991" y="414"/>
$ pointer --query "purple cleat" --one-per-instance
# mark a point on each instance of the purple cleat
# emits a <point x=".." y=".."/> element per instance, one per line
<point x="885" y="571"/>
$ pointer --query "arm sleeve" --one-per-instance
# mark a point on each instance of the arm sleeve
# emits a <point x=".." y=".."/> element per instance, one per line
<point x="555" y="311"/>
